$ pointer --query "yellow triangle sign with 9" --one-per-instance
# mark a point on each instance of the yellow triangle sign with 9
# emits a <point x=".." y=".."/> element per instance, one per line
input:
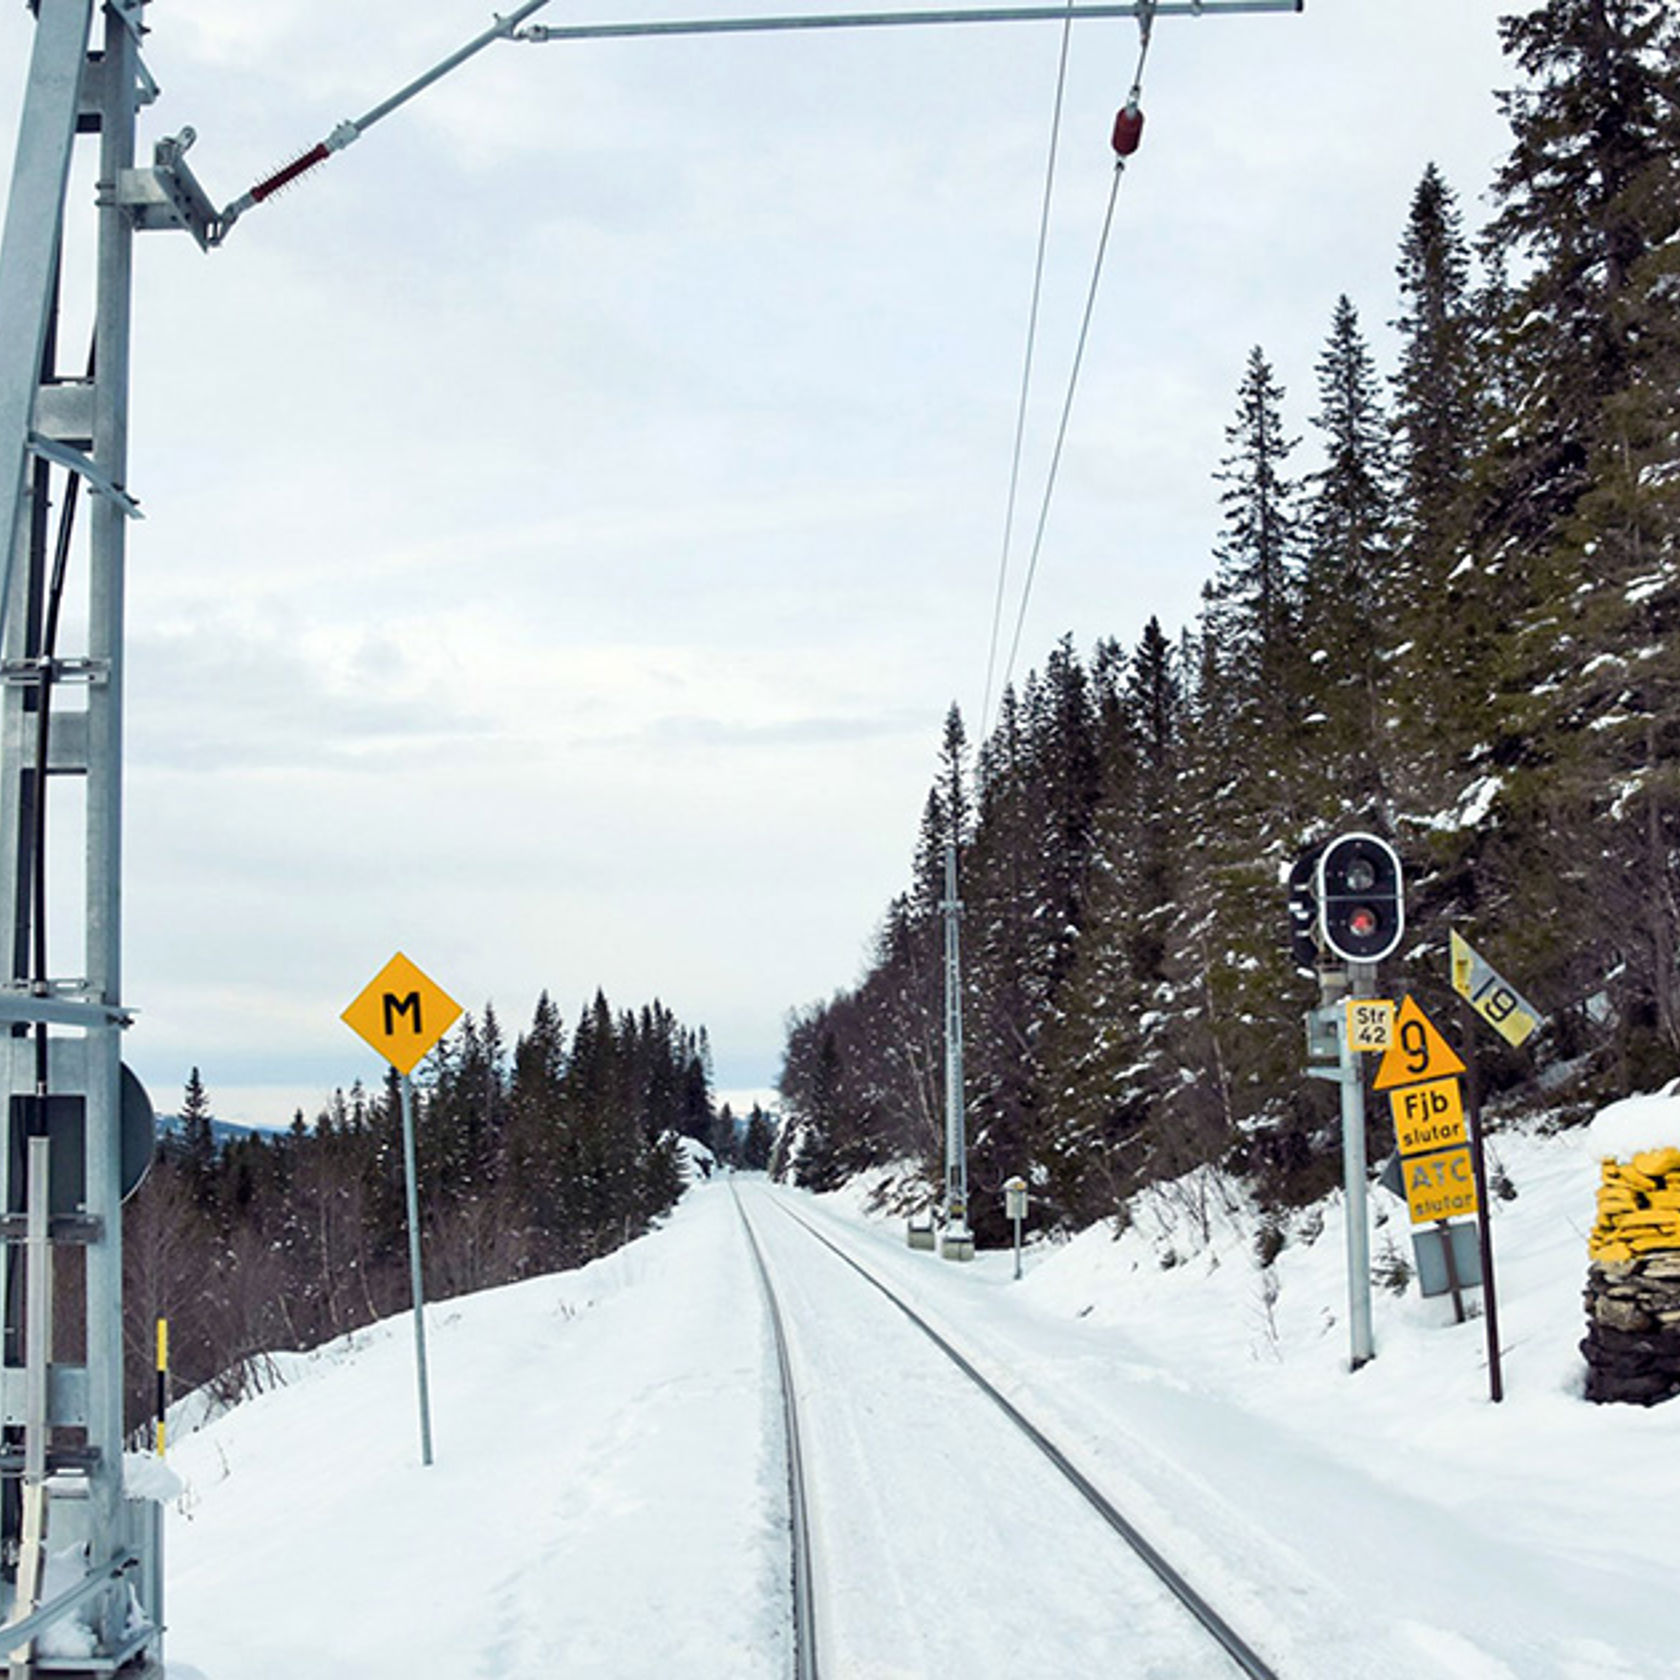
<point x="1418" y="1052"/>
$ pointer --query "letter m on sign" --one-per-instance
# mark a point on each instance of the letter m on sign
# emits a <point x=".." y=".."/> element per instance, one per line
<point x="397" y="1007"/>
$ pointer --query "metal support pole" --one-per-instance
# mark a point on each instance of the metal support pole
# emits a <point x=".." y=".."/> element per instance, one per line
<point x="1361" y="983"/>
<point x="1455" y="1287"/>
<point x="416" y="1285"/>
<point x="1484" y="1211"/>
<point x="107" y="585"/>
<point x="80" y="424"/>
<point x="539" y="32"/>
<point x="32" y="1549"/>
<point x="957" y="1242"/>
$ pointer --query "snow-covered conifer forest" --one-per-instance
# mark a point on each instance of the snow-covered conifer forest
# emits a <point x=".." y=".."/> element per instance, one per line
<point x="1442" y="608"/>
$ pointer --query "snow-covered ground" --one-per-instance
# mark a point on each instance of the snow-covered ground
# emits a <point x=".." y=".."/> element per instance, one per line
<point x="607" y="1482"/>
<point x="607" y="1495"/>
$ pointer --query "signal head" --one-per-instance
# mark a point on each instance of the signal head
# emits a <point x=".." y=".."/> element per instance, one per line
<point x="1361" y="902"/>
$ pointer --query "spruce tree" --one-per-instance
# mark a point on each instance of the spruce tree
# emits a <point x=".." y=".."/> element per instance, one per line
<point x="952" y="784"/>
<point x="1349" y="530"/>
<point x="1575" y="857"/>
<point x="198" y="1143"/>
<point x="1447" y="396"/>
<point x="1254" y="596"/>
<point x="932" y="835"/>
<point x="1594" y="134"/>
<point x="1435" y="403"/>
<point x="812" y="1086"/>
<point x="538" y="1164"/>
<point x="759" y="1139"/>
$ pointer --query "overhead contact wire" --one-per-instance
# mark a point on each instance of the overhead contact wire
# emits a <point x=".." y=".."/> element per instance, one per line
<point x="1027" y="367"/>
<point x="1145" y="27"/>
<point x="1062" y="429"/>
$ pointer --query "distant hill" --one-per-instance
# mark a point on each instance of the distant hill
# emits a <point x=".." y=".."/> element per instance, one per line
<point x="223" y="1131"/>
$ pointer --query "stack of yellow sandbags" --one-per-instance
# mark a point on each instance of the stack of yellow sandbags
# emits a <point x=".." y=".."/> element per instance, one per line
<point x="1638" y="1207"/>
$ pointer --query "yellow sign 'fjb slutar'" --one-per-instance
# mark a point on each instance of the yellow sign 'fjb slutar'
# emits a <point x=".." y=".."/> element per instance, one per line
<point x="1428" y="1117"/>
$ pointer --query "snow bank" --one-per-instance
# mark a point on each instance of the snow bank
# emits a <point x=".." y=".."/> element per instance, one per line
<point x="1644" y="1122"/>
<point x="607" y="1474"/>
<point x="1203" y="1356"/>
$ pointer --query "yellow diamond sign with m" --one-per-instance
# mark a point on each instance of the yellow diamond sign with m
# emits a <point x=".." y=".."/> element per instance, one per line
<point x="402" y="1013"/>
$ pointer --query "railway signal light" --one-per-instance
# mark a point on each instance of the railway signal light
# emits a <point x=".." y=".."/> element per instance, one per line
<point x="1361" y="905"/>
<point x="1303" y="913"/>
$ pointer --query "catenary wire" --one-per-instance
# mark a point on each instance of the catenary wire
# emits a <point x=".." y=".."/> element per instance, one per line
<point x="1146" y="32"/>
<point x="1026" y="368"/>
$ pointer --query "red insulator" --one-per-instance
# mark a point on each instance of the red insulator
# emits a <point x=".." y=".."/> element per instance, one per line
<point x="1128" y="131"/>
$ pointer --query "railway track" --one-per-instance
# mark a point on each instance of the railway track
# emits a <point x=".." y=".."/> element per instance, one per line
<point x="804" y="1594"/>
<point x="1240" y="1656"/>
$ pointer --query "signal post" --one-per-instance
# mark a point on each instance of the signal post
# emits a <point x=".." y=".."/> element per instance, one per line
<point x="1347" y="912"/>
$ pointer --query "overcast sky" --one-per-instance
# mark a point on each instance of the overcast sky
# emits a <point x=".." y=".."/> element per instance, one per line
<point x="570" y="512"/>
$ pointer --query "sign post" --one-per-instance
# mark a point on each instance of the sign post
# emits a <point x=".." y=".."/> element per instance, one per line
<point x="1482" y="988"/>
<point x="1015" y="1209"/>
<point x="1357" y="888"/>
<point x="402" y="1013"/>
<point x="1330" y="1033"/>
<point x="1340" y="1028"/>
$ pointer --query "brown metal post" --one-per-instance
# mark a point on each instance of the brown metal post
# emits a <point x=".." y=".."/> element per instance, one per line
<point x="1484" y="1227"/>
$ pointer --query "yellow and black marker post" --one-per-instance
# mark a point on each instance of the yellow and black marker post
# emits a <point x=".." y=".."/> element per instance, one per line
<point x="161" y="1427"/>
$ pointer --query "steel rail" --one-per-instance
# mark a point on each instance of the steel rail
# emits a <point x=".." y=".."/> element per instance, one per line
<point x="540" y="32"/>
<point x="1231" y="1642"/>
<point x="804" y="1593"/>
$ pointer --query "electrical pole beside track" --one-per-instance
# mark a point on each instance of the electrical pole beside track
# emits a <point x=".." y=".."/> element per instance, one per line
<point x="956" y="1241"/>
<point x="61" y="722"/>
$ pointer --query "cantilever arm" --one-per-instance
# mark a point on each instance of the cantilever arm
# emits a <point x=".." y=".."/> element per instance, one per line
<point x="504" y="28"/>
<point x="539" y="32"/>
<point x="513" y="28"/>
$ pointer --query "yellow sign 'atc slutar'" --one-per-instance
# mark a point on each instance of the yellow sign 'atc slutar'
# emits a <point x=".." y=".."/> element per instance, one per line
<point x="1440" y="1186"/>
<point x="402" y="1013"/>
